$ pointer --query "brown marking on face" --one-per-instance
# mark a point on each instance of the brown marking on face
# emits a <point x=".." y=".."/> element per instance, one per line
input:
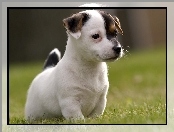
<point x="112" y="24"/>
<point x="112" y="27"/>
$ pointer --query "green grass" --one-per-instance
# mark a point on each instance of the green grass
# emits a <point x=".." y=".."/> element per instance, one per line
<point x="137" y="93"/>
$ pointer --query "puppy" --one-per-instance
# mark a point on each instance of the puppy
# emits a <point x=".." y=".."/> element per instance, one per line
<point x="76" y="86"/>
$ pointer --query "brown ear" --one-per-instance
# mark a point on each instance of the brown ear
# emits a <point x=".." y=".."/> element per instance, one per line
<point x="74" y="23"/>
<point x="118" y="25"/>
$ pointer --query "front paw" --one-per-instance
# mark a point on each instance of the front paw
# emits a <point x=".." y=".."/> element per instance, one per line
<point x="76" y="119"/>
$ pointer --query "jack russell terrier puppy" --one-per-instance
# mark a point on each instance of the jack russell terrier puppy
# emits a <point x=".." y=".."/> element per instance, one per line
<point x="76" y="86"/>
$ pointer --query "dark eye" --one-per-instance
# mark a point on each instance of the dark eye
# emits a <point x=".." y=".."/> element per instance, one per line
<point x="95" y="36"/>
<point x="115" y="32"/>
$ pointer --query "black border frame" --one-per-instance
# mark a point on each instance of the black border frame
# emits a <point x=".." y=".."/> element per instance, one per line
<point x="8" y="8"/>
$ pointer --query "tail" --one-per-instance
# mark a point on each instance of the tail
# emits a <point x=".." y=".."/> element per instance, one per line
<point x="52" y="59"/>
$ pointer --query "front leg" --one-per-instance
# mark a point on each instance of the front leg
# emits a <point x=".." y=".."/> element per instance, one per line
<point x="71" y="109"/>
<point x="100" y="107"/>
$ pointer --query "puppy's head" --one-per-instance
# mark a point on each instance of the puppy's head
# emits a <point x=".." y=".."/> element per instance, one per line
<point x="95" y="34"/>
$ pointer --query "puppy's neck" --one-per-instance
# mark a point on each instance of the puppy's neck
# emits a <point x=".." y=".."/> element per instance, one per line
<point x="75" y="54"/>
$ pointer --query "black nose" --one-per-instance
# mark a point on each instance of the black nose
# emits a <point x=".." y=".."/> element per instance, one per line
<point x="117" y="49"/>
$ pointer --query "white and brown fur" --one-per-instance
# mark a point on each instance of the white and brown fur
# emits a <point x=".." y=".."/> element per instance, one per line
<point x="77" y="86"/>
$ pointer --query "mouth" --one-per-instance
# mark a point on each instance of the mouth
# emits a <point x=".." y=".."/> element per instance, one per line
<point x="109" y="59"/>
<point x="112" y="58"/>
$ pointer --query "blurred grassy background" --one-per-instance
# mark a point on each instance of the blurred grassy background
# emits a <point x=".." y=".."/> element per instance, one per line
<point x="137" y="83"/>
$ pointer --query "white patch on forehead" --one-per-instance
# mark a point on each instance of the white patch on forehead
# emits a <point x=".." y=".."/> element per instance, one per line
<point x="96" y="20"/>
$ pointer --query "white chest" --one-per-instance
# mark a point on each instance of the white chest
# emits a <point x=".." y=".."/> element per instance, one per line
<point x="89" y="94"/>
